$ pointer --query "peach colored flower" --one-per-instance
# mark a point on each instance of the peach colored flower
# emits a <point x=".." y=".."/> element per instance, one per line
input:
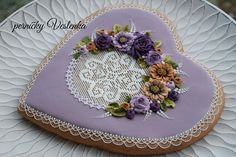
<point x="155" y="90"/>
<point x="91" y="46"/>
<point x="177" y="80"/>
<point x="126" y="106"/>
<point x="162" y="71"/>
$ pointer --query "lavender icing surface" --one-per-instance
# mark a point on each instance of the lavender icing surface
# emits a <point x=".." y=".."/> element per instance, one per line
<point x="50" y="94"/>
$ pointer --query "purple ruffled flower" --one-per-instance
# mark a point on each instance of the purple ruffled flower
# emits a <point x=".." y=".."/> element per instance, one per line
<point x="153" y="58"/>
<point x="136" y="34"/>
<point x="130" y="114"/>
<point x="170" y="84"/>
<point x="123" y="41"/>
<point x="141" y="46"/>
<point x="155" y="106"/>
<point x="173" y="95"/>
<point x="103" y="42"/>
<point x="140" y="104"/>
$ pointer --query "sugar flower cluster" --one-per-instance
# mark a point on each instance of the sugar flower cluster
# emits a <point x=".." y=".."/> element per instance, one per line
<point x="160" y="88"/>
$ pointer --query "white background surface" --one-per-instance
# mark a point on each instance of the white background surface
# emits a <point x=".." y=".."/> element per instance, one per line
<point x="207" y="34"/>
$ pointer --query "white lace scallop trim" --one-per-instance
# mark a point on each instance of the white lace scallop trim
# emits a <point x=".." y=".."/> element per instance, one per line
<point x="151" y="143"/>
<point x="119" y="140"/>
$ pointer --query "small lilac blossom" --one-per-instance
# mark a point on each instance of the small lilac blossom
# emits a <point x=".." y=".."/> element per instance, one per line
<point x="170" y="85"/>
<point x="83" y="50"/>
<point x="153" y="58"/>
<point x="140" y="104"/>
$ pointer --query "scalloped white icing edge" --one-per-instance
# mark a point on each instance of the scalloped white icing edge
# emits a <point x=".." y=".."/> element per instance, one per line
<point x="95" y="135"/>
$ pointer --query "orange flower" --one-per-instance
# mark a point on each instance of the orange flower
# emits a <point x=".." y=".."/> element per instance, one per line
<point x="178" y="81"/>
<point x="163" y="72"/>
<point x="102" y="32"/>
<point x="126" y="106"/>
<point x="155" y="90"/>
<point x="91" y="46"/>
<point x="158" y="50"/>
<point x="111" y="33"/>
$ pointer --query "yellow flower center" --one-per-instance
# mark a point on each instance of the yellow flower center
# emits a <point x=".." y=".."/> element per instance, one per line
<point x="154" y="89"/>
<point x="161" y="72"/>
<point x="123" y="39"/>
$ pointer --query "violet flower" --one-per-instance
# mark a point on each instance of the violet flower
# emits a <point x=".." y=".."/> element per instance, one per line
<point x="103" y="42"/>
<point x="130" y="114"/>
<point x="123" y="41"/>
<point x="141" y="46"/>
<point x="140" y="104"/>
<point x="170" y="84"/>
<point x="153" y="58"/>
<point x="173" y="95"/>
<point x="155" y="106"/>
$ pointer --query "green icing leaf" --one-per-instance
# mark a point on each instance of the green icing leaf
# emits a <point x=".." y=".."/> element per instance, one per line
<point x="118" y="112"/>
<point x="142" y="63"/>
<point x="157" y="43"/>
<point x="86" y="40"/>
<point x="115" y="110"/>
<point x="148" y="34"/>
<point x="76" y="55"/>
<point x="169" y="103"/>
<point x="128" y="98"/>
<point x="145" y="78"/>
<point x="114" y="104"/>
<point x="163" y="107"/>
<point x="177" y="86"/>
<point x="169" y="61"/>
<point x="111" y="107"/>
<point x="79" y="45"/>
<point x="110" y="49"/>
<point x="126" y="28"/>
<point x="117" y="28"/>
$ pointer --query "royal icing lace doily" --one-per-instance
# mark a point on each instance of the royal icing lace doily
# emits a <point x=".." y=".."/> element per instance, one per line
<point x="98" y="80"/>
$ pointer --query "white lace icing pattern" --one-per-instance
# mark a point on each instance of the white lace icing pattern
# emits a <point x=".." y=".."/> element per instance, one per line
<point x="98" y="80"/>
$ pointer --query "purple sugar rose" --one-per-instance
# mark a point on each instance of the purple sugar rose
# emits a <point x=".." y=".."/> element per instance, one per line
<point x="141" y="46"/>
<point x="136" y="34"/>
<point x="153" y="58"/>
<point x="130" y="114"/>
<point x="123" y="41"/>
<point x="170" y="84"/>
<point x="155" y="106"/>
<point x="103" y="42"/>
<point x="173" y="95"/>
<point x="140" y="104"/>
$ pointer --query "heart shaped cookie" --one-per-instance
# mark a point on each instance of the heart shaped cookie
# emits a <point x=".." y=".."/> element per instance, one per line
<point x="113" y="86"/>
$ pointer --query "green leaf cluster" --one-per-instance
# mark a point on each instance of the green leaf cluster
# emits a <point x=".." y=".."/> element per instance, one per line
<point x="76" y="55"/>
<point x="115" y="110"/>
<point x="118" y="28"/>
<point x="145" y="78"/>
<point x="142" y="63"/>
<point x="168" y="60"/>
<point x="167" y="103"/>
